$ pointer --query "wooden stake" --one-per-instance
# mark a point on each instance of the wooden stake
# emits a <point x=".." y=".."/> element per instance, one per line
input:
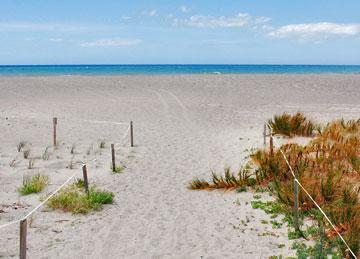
<point x="271" y="146"/>
<point x="296" y="206"/>
<point x="86" y="183"/>
<point x="54" y="126"/>
<point x="264" y="133"/>
<point x="23" y="232"/>
<point x="113" y="157"/>
<point x="131" y="134"/>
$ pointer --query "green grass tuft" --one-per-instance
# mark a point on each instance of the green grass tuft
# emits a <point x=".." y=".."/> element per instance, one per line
<point x="118" y="169"/>
<point x="75" y="200"/>
<point x="34" y="184"/>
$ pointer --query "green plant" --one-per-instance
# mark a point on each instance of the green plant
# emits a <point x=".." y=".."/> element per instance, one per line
<point x="118" y="169"/>
<point x="74" y="199"/>
<point x="241" y="189"/>
<point x="33" y="184"/>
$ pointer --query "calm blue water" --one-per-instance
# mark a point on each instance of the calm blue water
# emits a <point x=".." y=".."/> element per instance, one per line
<point x="32" y="70"/>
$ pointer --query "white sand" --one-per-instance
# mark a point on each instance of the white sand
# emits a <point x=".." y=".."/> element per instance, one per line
<point x="185" y="126"/>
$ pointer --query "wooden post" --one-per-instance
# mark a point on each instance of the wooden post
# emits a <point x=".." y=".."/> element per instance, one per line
<point x="131" y="134"/>
<point x="86" y="183"/>
<point x="23" y="232"/>
<point x="264" y="134"/>
<point x="54" y="126"/>
<point x="271" y="146"/>
<point x="113" y="157"/>
<point x="296" y="206"/>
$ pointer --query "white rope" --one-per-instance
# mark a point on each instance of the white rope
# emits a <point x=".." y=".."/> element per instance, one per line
<point x="123" y="137"/>
<point x="102" y="122"/>
<point x="311" y="198"/>
<point x="42" y="203"/>
<point x="332" y="225"/>
<point x="10" y="223"/>
<point x="38" y="206"/>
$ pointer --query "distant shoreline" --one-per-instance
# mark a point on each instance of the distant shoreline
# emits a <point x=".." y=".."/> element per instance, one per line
<point x="115" y="70"/>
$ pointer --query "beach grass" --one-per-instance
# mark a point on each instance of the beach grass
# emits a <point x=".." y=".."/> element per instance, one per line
<point x="328" y="168"/>
<point x="118" y="169"/>
<point x="34" y="184"/>
<point x="74" y="199"/>
<point x="292" y="125"/>
<point x="227" y="181"/>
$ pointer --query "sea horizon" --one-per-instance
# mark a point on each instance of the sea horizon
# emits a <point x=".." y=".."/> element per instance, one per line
<point x="173" y="69"/>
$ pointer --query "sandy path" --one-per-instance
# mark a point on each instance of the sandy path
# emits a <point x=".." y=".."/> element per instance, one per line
<point x="184" y="127"/>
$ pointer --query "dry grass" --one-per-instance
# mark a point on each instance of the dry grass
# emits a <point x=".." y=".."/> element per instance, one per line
<point x="31" y="163"/>
<point x="73" y="149"/>
<point x="102" y="144"/>
<point x="21" y="145"/>
<point x="26" y="153"/>
<point x="46" y="155"/>
<point x="328" y="167"/>
<point x="228" y="181"/>
<point x="292" y="125"/>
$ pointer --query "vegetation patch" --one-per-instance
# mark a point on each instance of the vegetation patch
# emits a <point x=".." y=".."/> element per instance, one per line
<point x="328" y="169"/>
<point x="292" y="125"/>
<point x="229" y="180"/>
<point x="34" y="184"/>
<point x="118" y="169"/>
<point x="74" y="199"/>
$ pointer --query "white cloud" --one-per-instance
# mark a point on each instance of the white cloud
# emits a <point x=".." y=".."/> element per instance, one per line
<point x="111" y="43"/>
<point x="184" y="9"/>
<point x="239" y="20"/>
<point x="316" y="31"/>
<point x="151" y="13"/>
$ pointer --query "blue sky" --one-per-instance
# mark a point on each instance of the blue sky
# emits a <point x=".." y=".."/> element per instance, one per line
<point x="170" y="32"/>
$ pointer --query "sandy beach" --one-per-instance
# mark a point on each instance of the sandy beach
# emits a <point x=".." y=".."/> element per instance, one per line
<point x="185" y="126"/>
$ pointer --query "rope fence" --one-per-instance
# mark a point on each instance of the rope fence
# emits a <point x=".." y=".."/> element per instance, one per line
<point x="23" y="220"/>
<point x="297" y="182"/>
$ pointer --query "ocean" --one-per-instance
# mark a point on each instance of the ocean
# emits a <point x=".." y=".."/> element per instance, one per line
<point x="44" y="70"/>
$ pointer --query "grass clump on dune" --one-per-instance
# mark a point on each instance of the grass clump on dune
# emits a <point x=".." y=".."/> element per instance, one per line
<point x="74" y="199"/>
<point x="328" y="168"/>
<point x="228" y="181"/>
<point x="33" y="184"/>
<point x="292" y="125"/>
<point x="118" y="169"/>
